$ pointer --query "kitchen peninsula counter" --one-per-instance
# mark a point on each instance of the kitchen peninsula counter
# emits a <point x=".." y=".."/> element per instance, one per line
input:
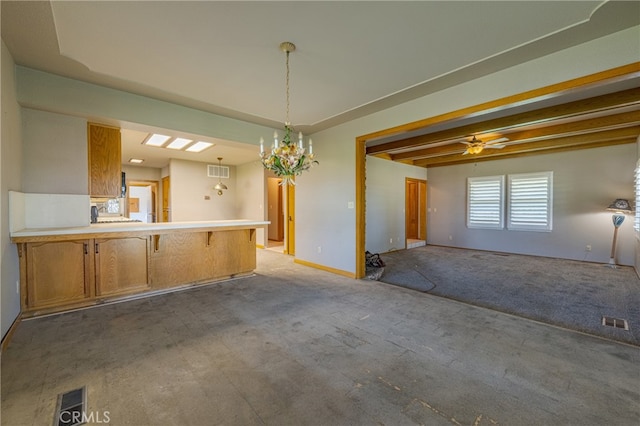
<point x="72" y="267"/>
<point x="129" y="228"/>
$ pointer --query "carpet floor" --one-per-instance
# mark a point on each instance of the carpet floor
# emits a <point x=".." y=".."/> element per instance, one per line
<point x="566" y="293"/>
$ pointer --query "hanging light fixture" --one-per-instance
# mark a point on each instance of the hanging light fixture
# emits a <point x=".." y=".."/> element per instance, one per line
<point x="220" y="186"/>
<point x="287" y="159"/>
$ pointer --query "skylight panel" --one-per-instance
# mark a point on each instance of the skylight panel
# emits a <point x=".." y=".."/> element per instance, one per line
<point x="157" y="140"/>
<point x="199" y="146"/>
<point x="179" y="143"/>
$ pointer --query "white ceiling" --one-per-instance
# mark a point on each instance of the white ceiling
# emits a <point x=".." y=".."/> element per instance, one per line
<point x="352" y="58"/>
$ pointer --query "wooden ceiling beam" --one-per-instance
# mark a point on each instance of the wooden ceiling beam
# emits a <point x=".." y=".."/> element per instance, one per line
<point x="626" y="119"/>
<point x="623" y="98"/>
<point x="453" y="161"/>
<point x="604" y="138"/>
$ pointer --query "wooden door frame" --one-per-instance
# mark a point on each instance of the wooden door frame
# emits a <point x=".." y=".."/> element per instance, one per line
<point x="154" y="184"/>
<point x="519" y="98"/>
<point x="422" y="209"/>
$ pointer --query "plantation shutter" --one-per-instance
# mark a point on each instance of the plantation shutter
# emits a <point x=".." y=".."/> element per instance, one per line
<point x="530" y="201"/>
<point x="485" y="202"/>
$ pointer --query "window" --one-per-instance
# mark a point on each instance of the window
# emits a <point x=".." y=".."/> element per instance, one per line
<point x="485" y="202"/>
<point x="636" y="223"/>
<point x="530" y="201"/>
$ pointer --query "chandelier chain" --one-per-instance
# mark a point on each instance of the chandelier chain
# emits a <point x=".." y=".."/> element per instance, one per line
<point x="287" y="89"/>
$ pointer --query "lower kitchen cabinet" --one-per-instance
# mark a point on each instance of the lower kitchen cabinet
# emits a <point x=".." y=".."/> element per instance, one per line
<point x="55" y="273"/>
<point x="122" y="265"/>
<point x="62" y="272"/>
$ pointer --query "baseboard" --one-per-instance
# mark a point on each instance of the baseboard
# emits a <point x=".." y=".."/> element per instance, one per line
<point x="325" y="268"/>
<point x="260" y="246"/>
<point x="7" y="337"/>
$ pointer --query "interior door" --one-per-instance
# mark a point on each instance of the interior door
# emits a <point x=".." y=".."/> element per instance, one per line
<point x="415" y="209"/>
<point x="166" y="186"/>
<point x="411" y="210"/>
<point x="291" y="221"/>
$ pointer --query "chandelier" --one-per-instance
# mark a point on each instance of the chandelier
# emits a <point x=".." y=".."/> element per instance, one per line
<point x="287" y="159"/>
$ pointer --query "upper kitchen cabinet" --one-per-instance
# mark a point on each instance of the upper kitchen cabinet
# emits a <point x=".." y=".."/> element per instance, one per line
<point x="104" y="161"/>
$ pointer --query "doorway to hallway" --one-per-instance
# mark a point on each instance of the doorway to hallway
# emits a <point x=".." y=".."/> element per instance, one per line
<point x="415" y="212"/>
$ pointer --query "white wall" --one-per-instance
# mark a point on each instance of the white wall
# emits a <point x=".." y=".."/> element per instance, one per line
<point x="10" y="180"/>
<point x="385" y="192"/>
<point x="585" y="182"/>
<point x="189" y="188"/>
<point x="251" y="195"/>
<point x="55" y="153"/>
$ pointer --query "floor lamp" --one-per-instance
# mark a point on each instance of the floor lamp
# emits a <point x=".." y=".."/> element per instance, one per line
<point x="620" y="207"/>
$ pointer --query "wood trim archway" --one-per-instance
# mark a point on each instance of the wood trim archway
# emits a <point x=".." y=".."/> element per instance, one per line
<point x="502" y="103"/>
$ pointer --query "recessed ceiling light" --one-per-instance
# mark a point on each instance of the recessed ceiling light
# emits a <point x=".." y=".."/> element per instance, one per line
<point x="156" y="140"/>
<point x="136" y="160"/>
<point x="199" y="146"/>
<point x="179" y="143"/>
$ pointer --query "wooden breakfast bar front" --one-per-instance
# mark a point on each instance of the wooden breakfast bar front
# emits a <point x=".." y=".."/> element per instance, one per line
<point x="69" y="268"/>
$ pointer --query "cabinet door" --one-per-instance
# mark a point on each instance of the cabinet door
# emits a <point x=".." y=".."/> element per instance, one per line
<point x="105" y="166"/>
<point x="122" y="265"/>
<point x="234" y="252"/>
<point x="180" y="258"/>
<point x="58" y="273"/>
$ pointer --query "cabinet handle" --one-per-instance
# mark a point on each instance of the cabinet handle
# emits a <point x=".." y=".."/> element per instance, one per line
<point x="97" y="252"/>
<point x="86" y="248"/>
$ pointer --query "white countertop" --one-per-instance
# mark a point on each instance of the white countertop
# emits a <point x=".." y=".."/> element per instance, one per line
<point x="137" y="227"/>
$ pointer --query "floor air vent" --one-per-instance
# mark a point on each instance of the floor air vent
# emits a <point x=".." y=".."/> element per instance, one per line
<point x="615" y="322"/>
<point x="71" y="408"/>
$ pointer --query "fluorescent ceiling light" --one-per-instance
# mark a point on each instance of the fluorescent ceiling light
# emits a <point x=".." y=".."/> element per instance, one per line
<point x="136" y="160"/>
<point x="199" y="146"/>
<point x="157" y="140"/>
<point x="179" y="143"/>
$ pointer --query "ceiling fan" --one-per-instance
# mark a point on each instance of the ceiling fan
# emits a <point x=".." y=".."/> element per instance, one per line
<point x="475" y="146"/>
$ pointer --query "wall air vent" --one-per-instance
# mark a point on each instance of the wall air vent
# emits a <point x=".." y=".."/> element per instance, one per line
<point x="218" y="171"/>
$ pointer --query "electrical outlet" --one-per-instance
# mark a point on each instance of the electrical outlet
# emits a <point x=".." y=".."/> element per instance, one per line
<point x="17" y="286"/>
<point x="588" y="247"/>
<point x="319" y="249"/>
<point x="390" y="240"/>
<point x="450" y="237"/>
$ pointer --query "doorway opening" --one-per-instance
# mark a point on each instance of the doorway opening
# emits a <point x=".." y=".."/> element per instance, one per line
<point x="415" y="213"/>
<point x="275" y="214"/>
<point x="142" y="201"/>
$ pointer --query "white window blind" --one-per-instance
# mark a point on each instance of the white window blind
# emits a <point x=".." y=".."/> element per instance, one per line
<point x="485" y="202"/>
<point x="636" y="222"/>
<point x="530" y="201"/>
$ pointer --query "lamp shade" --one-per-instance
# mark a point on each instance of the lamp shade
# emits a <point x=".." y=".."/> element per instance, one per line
<point x="620" y="205"/>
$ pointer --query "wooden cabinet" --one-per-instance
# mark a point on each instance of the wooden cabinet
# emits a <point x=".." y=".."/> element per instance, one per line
<point x="55" y="273"/>
<point x="122" y="265"/>
<point x="105" y="161"/>
<point x="73" y="273"/>
<point x="62" y="272"/>
<point x="196" y="257"/>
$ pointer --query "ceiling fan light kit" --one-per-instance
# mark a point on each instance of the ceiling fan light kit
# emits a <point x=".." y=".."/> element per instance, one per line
<point x="476" y="146"/>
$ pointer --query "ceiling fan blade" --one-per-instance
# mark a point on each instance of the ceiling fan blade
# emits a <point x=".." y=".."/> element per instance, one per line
<point x="496" y="141"/>
<point x="500" y="146"/>
<point x="466" y="152"/>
